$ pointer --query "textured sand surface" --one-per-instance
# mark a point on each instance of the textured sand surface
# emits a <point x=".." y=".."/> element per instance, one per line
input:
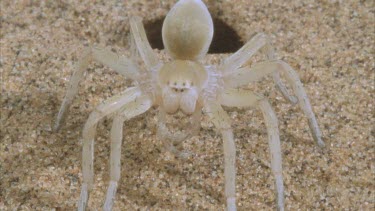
<point x="329" y="43"/>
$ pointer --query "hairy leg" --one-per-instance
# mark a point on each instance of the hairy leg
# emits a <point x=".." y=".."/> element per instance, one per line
<point x="242" y="98"/>
<point x="143" y="46"/>
<point x="172" y="141"/>
<point x="89" y="131"/>
<point x="270" y="52"/>
<point x="120" y="64"/>
<point x="132" y="109"/>
<point x="275" y="149"/>
<point x="221" y="121"/>
<point x="239" y="58"/>
<point x="245" y="75"/>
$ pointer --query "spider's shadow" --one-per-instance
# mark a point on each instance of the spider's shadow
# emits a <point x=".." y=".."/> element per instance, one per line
<point x="172" y="169"/>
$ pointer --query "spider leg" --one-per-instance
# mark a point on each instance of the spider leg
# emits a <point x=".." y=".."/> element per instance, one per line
<point x="138" y="106"/>
<point x="120" y="64"/>
<point x="245" y="75"/>
<point x="221" y="121"/>
<point x="239" y="58"/>
<point x="88" y="133"/>
<point x="276" y="76"/>
<point x="244" y="98"/>
<point x="144" y="48"/>
<point x="172" y="141"/>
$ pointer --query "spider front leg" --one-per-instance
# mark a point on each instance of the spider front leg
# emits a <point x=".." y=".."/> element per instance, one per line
<point x="173" y="141"/>
<point x="88" y="133"/>
<point x="243" y="98"/>
<point x="221" y="121"/>
<point x="257" y="72"/>
<point x="120" y="64"/>
<point x="138" y="34"/>
<point x="136" y="107"/>
<point x="239" y="58"/>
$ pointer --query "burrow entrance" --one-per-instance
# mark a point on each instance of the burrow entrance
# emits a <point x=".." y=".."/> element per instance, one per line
<point x="225" y="39"/>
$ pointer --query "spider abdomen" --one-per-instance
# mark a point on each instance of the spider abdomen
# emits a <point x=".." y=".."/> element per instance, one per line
<point x="188" y="30"/>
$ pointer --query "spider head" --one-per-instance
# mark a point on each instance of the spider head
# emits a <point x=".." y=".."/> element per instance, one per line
<point x="181" y="82"/>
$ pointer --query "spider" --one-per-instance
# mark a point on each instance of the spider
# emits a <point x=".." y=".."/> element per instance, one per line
<point x="185" y="85"/>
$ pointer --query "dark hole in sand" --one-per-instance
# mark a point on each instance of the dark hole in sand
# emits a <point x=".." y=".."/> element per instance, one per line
<point x="225" y="39"/>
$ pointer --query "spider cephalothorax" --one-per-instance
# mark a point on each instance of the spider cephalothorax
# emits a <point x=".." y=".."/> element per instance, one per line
<point x="185" y="84"/>
<point x="181" y="82"/>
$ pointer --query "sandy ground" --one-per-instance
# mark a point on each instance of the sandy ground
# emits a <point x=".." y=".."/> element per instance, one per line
<point x="329" y="43"/>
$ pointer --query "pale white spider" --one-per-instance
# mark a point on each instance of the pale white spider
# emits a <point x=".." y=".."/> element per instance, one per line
<point x="185" y="84"/>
